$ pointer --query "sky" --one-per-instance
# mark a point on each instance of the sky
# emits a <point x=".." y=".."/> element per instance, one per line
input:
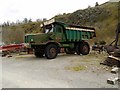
<point x="13" y="10"/>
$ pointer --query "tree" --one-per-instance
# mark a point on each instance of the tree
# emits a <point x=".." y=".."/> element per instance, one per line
<point x="89" y="7"/>
<point x="25" y="20"/>
<point x="4" y="24"/>
<point x="64" y="13"/>
<point x="12" y="23"/>
<point x="96" y="4"/>
<point x="30" y="20"/>
<point x="8" y="23"/>
<point x="17" y="22"/>
<point x="38" y="20"/>
<point x="44" y="19"/>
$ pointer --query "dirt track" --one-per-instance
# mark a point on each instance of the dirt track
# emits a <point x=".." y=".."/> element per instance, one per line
<point x="66" y="71"/>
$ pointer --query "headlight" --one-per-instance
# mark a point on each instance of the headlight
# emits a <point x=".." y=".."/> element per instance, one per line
<point x="31" y="40"/>
<point x="26" y="45"/>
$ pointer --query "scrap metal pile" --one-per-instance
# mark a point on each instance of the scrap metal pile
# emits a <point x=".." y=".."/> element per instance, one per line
<point x="114" y="51"/>
<point x="7" y="49"/>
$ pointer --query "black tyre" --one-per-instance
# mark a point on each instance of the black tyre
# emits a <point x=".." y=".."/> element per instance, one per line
<point x="38" y="54"/>
<point x="51" y="51"/>
<point x="69" y="51"/>
<point x="83" y="48"/>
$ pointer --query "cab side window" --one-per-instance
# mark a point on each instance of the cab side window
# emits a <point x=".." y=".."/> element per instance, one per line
<point x="49" y="28"/>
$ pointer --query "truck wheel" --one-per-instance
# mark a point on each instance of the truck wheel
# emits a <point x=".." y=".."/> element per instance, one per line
<point x="83" y="48"/>
<point x="38" y="54"/>
<point x="69" y="51"/>
<point x="51" y="51"/>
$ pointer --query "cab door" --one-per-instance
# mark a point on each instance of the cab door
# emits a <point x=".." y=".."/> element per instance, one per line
<point x="58" y="33"/>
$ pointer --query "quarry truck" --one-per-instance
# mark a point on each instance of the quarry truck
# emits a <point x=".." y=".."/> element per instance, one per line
<point x="57" y="35"/>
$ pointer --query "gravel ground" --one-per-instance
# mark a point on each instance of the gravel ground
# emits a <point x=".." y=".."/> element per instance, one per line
<point x="66" y="71"/>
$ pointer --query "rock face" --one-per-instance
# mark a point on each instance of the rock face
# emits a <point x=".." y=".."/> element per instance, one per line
<point x="89" y="16"/>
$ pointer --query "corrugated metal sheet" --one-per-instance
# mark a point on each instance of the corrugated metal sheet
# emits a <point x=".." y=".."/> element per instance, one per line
<point x="76" y="35"/>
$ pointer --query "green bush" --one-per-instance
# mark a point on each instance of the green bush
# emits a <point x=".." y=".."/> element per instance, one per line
<point x="102" y="42"/>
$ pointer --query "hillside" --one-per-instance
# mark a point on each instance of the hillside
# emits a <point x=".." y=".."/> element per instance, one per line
<point x="103" y="17"/>
<point x="15" y="33"/>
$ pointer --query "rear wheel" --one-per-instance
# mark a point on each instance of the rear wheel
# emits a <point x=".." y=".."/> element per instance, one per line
<point x="51" y="51"/>
<point x="69" y="51"/>
<point x="83" y="48"/>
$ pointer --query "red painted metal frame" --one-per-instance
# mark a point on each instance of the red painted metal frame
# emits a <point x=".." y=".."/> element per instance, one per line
<point x="12" y="47"/>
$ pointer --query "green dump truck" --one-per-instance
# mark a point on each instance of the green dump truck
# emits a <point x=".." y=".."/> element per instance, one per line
<point x="57" y="35"/>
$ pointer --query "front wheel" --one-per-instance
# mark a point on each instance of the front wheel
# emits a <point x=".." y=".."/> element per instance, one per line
<point x="51" y="51"/>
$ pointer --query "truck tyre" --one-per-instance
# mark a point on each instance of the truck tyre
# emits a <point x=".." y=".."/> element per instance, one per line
<point x="69" y="51"/>
<point x="51" y="51"/>
<point x="83" y="48"/>
<point x="38" y="54"/>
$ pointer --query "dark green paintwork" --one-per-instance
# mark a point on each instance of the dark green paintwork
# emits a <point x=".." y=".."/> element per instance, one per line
<point x="29" y="37"/>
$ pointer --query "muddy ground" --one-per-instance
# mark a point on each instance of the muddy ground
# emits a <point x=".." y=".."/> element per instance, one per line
<point x="66" y="71"/>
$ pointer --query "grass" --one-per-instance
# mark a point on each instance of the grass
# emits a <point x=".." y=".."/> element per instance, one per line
<point x="86" y="62"/>
<point x="76" y="68"/>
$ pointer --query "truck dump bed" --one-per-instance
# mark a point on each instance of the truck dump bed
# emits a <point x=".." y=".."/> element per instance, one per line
<point x="77" y="33"/>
